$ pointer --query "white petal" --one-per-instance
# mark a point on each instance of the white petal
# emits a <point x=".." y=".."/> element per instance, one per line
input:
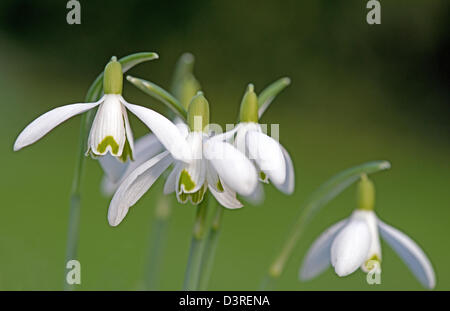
<point x="128" y="132"/>
<point x="233" y="168"/>
<point x="375" y="247"/>
<point x="113" y="168"/>
<point x="350" y="247"/>
<point x="318" y="257"/>
<point x="108" y="122"/>
<point x="135" y="185"/>
<point x="410" y="253"/>
<point x="196" y="168"/>
<point x="167" y="132"/>
<point x="289" y="183"/>
<point x="227" y="136"/>
<point x="171" y="181"/>
<point x="48" y="121"/>
<point x="267" y="153"/>
<point x="146" y="148"/>
<point x="182" y="127"/>
<point x="257" y="197"/>
<point x="225" y="196"/>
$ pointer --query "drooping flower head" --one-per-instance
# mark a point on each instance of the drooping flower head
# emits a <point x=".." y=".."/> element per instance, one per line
<point x="110" y="132"/>
<point x="354" y="243"/>
<point x="269" y="156"/>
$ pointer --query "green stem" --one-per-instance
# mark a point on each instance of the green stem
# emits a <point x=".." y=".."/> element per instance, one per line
<point x="195" y="253"/>
<point x="75" y="197"/>
<point x="209" y="251"/>
<point x="159" y="237"/>
<point x="324" y="194"/>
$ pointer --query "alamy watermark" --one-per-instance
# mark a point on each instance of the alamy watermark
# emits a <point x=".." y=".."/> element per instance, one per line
<point x="73" y="17"/>
<point x="73" y="276"/>
<point x="373" y="17"/>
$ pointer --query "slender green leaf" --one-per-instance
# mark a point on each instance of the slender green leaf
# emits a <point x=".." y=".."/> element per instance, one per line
<point x="159" y="93"/>
<point x="267" y="95"/>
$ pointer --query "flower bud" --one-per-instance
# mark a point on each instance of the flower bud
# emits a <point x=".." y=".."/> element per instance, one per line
<point x="198" y="113"/>
<point x="365" y="194"/>
<point x="113" y="77"/>
<point x="249" y="106"/>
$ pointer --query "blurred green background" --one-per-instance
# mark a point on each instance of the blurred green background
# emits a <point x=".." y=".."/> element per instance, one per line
<point x="358" y="93"/>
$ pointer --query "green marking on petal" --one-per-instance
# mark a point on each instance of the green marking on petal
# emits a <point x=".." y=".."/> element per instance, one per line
<point x="370" y="263"/>
<point x="186" y="180"/>
<point x="220" y="186"/>
<point x="263" y="177"/>
<point x="108" y="141"/>
<point x="197" y="197"/>
<point x="127" y="152"/>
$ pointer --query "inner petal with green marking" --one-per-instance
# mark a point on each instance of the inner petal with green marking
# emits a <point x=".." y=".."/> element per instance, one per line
<point x="186" y="181"/>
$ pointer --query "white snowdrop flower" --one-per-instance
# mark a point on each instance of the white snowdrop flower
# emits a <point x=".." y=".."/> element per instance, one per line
<point x="354" y="243"/>
<point x="269" y="156"/>
<point x="214" y="165"/>
<point x="110" y="131"/>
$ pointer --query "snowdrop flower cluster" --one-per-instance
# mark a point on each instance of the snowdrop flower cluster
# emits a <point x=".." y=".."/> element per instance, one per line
<point x="354" y="243"/>
<point x="213" y="165"/>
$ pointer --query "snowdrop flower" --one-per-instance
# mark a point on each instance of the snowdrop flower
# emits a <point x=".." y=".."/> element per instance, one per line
<point x="213" y="164"/>
<point x="110" y="131"/>
<point x="354" y="242"/>
<point x="269" y="156"/>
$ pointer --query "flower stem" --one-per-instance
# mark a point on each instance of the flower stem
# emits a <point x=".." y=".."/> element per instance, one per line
<point x="158" y="239"/>
<point x="209" y="251"/>
<point x="195" y="253"/>
<point x="75" y="197"/>
<point x="324" y="194"/>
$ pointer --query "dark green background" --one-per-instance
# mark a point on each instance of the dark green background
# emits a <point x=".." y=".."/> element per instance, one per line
<point x="358" y="93"/>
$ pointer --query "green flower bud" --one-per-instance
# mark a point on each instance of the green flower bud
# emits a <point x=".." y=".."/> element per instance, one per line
<point x="198" y="113"/>
<point x="249" y="106"/>
<point x="113" y="77"/>
<point x="365" y="194"/>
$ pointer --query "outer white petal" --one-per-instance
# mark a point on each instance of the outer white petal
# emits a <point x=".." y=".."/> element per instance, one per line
<point x="171" y="181"/>
<point x="108" y="122"/>
<point x="182" y="127"/>
<point x="167" y="132"/>
<point x="135" y="185"/>
<point x="128" y="131"/>
<point x="240" y="140"/>
<point x="318" y="257"/>
<point x="48" y="121"/>
<point x="257" y="197"/>
<point x="233" y="168"/>
<point x="113" y="168"/>
<point x="226" y="197"/>
<point x="410" y="253"/>
<point x="350" y="247"/>
<point x="375" y="247"/>
<point x="267" y="153"/>
<point x="289" y="183"/>
<point x="146" y="148"/>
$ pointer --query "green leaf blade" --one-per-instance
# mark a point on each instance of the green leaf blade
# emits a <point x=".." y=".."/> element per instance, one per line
<point x="160" y="94"/>
<point x="267" y="95"/>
